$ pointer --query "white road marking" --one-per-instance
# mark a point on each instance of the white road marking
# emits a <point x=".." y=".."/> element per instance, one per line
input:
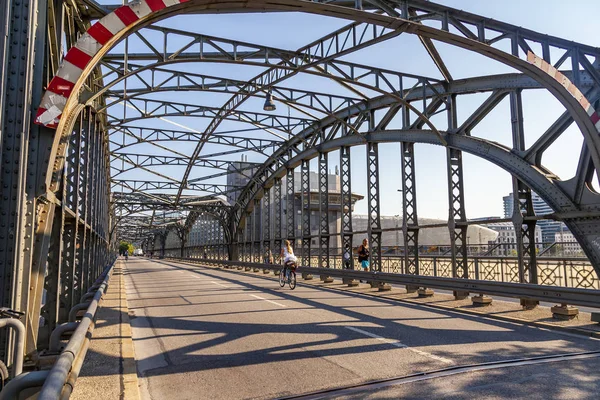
<point x="397" y="343"/>
<point x="217" y="283"/>
<point x="374" y="336"/>
<point x="270" y="301"/>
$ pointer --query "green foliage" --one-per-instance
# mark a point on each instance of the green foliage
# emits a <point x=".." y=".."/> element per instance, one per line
<point x="126" y="246"/>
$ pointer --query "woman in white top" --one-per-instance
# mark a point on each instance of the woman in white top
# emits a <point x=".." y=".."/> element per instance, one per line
<point x="287" y="253"/>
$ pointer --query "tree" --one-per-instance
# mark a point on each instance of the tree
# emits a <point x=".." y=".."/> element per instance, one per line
<point x="125" y="247"/>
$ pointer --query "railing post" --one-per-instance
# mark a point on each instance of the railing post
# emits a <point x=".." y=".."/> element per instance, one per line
<point x="305" y="213"/>
<point x="323" y="188"/>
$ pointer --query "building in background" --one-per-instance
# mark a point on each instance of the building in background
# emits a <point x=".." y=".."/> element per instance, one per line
<point x="431" y="240"/>
<point x="540" y="207"/>
<point x="567" y="244"/>
<point x="507" y="238"/>
<point x="238" y="175"/>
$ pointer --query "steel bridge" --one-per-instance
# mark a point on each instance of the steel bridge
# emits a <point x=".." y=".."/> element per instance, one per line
<point x="96" y="149"/>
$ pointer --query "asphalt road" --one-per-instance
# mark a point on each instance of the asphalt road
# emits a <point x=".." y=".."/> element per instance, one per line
<point x="202" y="333"/>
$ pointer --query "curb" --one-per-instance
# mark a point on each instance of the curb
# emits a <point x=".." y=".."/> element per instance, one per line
<point x="544" y="325"/>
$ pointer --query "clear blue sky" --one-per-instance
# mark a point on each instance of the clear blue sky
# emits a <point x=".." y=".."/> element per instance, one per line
<point x="485" y="184"/>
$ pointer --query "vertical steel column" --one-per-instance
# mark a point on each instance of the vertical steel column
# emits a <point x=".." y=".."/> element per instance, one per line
<point x="290" y="209"/>
<point x="346" y="203"/>
<point x="70" y="193"/>
<point x="410" y="223"/>
<point x="91" y="193"/>
<point x="256" y="229"/>
<point x="374" y="215"/>
<point x="86" y="133"/>
<point x="75" y="158"/>
<point x="456" y="203"/>
<point x="523" y="205"/>
<point x="249" y="241"/>
<point x="277" y="216"/>
<point x="19" y="75"/>
<point x="266" y="226"/>
<point x="52" y="284"/>
<point x="306" y="231"/>
<point x="324" y="211"/>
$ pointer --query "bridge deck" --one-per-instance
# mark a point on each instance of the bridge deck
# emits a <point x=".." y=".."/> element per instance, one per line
<point x="208" y="333"/>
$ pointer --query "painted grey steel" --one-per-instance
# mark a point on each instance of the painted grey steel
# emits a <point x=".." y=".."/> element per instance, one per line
<point x="346" y="203"/>
<point x="24" y="381"/>
<point x="58" y="332"/>
<point x="19" y="329"/>
<point x="410" y="222"/>
<point x="65" y="222"/>
<point x="581" y="297"/>
<point x="323" y="187"/>
<point x="59" y="374"/>
<point x="305" y="212"/>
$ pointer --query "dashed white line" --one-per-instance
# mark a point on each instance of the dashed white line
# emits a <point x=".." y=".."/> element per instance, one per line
<point x="397" y="343"/>
<point x="217" y="283"/>
<point x="270" y="301"/>
<point x="374" y="336"/>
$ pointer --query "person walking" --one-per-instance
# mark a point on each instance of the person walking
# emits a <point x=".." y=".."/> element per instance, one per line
<point x="347" y="258"/>
<point x="363" y="255"/>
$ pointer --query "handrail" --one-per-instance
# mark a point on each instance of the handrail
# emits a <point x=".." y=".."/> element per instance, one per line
<point x="67" y="366"/>
<point x="573" y="296"/>
<point x="19" y="343"/>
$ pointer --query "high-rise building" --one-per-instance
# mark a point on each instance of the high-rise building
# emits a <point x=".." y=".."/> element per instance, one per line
<point x="540" y="207"/>
<point x="239" y="173"/>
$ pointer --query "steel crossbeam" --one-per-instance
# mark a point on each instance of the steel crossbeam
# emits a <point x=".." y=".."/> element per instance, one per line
<point x="71" y="195"/>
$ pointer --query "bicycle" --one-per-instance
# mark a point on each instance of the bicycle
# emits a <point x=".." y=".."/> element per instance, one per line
<point x="288" y="275"/>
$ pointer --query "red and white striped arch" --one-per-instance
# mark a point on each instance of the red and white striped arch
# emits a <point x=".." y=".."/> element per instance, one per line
<point x="79" y="56"/>
<point x="102" y="32"/>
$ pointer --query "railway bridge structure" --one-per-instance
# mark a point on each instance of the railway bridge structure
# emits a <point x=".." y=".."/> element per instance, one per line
<point x="96" y="150"/>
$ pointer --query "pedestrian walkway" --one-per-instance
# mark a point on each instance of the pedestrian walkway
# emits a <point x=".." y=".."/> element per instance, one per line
<point x="109" y="370"/>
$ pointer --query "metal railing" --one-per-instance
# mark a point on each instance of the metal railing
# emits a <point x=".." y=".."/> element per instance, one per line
<point x="557" y="294"/>
<point x="59" y="381"/>
<point x="568" y="272"/>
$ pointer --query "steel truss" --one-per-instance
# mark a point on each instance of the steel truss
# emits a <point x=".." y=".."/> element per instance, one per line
<point x="68" y="196"/>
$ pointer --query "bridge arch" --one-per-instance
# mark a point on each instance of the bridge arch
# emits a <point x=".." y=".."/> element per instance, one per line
<point x="61" y="99"/>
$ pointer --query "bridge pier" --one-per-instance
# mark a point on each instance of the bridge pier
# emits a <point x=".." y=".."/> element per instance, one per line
<point x="411" y="289"/>
<point x="481" y="300"/>
<point x="565" y="312"/>
<point x="306" y="276"/>
<point x="529" y="304"/>
<point x="460" y="294"/>
<point x="350" y="282"/>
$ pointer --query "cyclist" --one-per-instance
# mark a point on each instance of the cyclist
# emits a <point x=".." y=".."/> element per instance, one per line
<point x="288" y="257"/>
<point x="126" y="255"/>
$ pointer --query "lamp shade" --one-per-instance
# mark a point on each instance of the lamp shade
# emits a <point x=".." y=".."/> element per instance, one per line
<point x="269" y="104"/>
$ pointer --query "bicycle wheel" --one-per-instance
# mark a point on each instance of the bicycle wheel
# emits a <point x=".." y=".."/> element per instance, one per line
<point x="281" y="279"/>
<point x="292" y="281"/>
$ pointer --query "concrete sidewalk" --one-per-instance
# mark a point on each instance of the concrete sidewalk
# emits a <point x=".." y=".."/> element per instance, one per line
<point x="109" y="370"/>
